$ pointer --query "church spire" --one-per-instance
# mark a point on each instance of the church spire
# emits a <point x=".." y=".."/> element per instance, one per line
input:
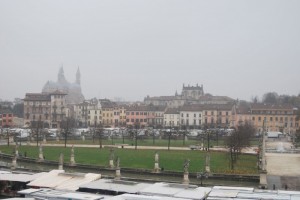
<point x="61" y="75"/>
<point x="78" y="76"/>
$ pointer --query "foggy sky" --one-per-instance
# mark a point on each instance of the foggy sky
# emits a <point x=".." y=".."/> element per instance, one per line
<point x="135" y="48"/>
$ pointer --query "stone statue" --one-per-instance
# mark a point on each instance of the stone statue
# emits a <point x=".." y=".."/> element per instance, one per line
<point x="16" y="150"/>
<point x="41" y="156"/>
<point x="111" y="154"/>
<point x="186" y="165"/>
<point x="207" y="163"/>
<point x="156" y="157"/>
<point x="117" y="162"/>
<point x="72" y="158"/>
<point x="61" y="161"/>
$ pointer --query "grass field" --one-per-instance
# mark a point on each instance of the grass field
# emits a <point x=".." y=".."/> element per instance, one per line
<point x="144" y="159"/>
<point x="148" y="142"/>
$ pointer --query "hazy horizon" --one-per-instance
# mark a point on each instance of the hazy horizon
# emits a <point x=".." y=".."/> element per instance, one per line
<point x="131" y="48"/>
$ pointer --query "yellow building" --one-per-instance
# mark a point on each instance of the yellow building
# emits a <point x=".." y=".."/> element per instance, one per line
<point x="281" y="118"/>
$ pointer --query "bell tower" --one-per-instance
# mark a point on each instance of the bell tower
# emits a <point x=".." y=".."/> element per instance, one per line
<point x="78" y="76"/>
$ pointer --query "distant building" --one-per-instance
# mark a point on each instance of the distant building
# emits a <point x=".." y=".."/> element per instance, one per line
<point x="45" y="110"/>
<point x="268" y="117"/>
<point x="73" y="90"/>
<point x="6" y="118"/>
<point x="189" y="95"/>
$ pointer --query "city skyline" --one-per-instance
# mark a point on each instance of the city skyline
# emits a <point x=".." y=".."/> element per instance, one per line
<point x="131" y="49"/>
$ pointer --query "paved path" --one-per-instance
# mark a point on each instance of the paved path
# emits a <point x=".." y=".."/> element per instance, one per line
<point x="250" y="150"/>
<point x="282" y="167"/>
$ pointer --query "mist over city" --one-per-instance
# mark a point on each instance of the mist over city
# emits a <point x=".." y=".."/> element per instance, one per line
<point x="131" y="49"/>
<point x="152" y="99"/>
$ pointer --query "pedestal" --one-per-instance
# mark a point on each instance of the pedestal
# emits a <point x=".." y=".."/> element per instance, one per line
<point x="14" y="163"/>
<point x="111" y="163"/>
<point x="72" y="161"/>
<point x="60" y="167"/>
<point x="207" y="169"/>
<point x="41" y="157"/>
<point x="57" y="139"/>
<point x="156" y="168"/>
<point x="263" y="180"/>
<point x="83" y="138"/>
<point x="118" y="174"/>
<point x="186" y="178"/>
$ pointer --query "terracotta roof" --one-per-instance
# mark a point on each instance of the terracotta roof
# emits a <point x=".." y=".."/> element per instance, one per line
<point x="37" y="97"/>
<point x="161" y="98"/>
<point x="172" y="111"/>
<point x="201" y="107"/>
<point x="261" y="106"/>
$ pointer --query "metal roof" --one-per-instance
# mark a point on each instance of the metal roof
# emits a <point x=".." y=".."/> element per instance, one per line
<point x="19" y="177"/>
<point x="176" y="190"/>
<point x="58" y="194"/>
<point x="116" y="185"/>
<point x="66" y="181"/>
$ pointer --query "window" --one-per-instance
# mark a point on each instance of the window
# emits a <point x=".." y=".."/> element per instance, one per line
<point x="145" y="120"/>
<point x="195" y="115"/>
<point x="259" y="119"/>
<point x="199" y="115"/>
<point x="187" y="114"/>
<point x="253" y="118"/>
<point x="205" y="112"/>
<point x="181" y="114"/>
<point x="271" y="119"/>
<point x="132" y="120"/>
<point x="226" y="113"/>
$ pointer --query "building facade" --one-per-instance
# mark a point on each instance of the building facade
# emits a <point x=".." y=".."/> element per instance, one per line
<point x="6" y="118"/>
<point x="45" y="110"/>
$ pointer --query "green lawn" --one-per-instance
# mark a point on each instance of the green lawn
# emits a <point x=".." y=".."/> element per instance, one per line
<point x="150" y="142"/>
<point x="144" y="159"/>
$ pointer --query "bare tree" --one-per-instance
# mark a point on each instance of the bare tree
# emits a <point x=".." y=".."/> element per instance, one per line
<point x="67" y="125"/>
<point x="239" y="139"/>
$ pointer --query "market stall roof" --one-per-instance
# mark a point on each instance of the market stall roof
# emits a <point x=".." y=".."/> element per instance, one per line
<point x="116" y="186"/>
<point x="20" y="177"/>
<point x="142" y="197"/>
<point x="59" y="194"/>
<point x="176" y="190"/>
<point x="58" y="179"/>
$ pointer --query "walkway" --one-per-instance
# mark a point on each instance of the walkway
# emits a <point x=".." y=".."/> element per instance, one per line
<point x="282" y="167"/>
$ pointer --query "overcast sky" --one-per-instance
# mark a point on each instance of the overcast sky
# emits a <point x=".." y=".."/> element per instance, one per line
<point x="134" y="48"/>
